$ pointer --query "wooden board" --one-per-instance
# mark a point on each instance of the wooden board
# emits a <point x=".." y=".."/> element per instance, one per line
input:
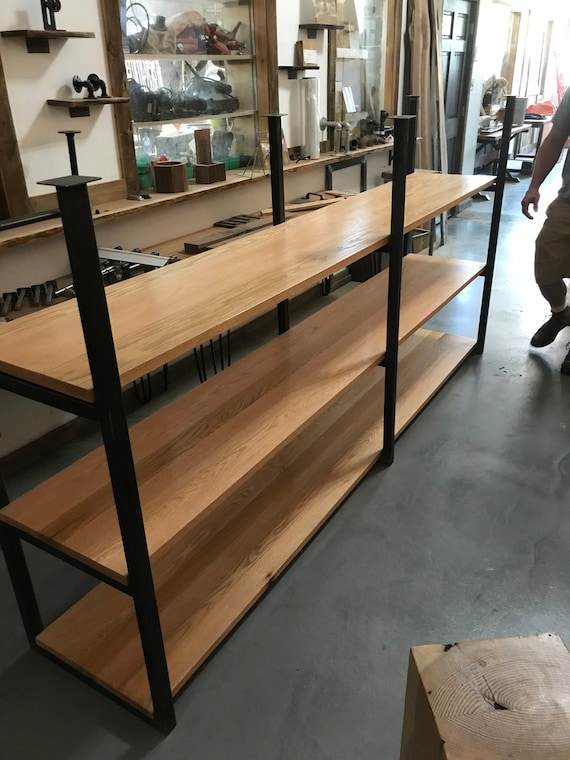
<point x="194" y="453"/>
<point x="118" y="209"/>
<point x="117" y="84"/>
<point x="221" y="290"/>
<point x="204" y="590"/>
<point x="308" y="206"/>
<point x="203" y="240"/>
<point x="14" y="199"/>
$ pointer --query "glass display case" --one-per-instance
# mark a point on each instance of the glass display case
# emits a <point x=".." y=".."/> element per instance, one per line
<point x="190" y="65"/>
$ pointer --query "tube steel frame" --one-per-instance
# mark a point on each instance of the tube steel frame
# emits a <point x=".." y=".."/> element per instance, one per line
<point x="278" y="198"/>
<point x="92" y="304"/>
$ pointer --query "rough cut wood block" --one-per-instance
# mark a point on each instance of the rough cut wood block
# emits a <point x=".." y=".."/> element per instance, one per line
<point x="207" y="173"/>
<point x="496" y="699"/>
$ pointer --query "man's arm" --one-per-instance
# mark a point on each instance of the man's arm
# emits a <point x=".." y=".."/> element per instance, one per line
<point x="548" y="154"/>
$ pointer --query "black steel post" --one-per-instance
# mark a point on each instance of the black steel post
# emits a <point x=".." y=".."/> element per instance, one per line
<point x="278" y="198"/>
<point x="21" y="582"/>
<point x="70" y="134"/>
<point x="83" y="256"/>
<point x="412" y="108"/>
<point x="495" y="222"/>
<point x="20" y="575"/>
<point x="403" y="129"/>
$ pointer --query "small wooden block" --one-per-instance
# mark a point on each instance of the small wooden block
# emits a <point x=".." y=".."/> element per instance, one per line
<point x="493" y="699"/>
<point x="206" y="174"/>
<point x="170" y="177"/>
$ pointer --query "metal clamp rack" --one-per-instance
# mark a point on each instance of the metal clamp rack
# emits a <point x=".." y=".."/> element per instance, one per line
<point x="129" y="576"/>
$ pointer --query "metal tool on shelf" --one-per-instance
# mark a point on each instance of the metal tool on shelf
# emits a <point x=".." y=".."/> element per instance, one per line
<point x="49" y="9"/>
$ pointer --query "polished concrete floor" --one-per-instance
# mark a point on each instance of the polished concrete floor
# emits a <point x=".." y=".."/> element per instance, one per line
<point x="465" y="536"/>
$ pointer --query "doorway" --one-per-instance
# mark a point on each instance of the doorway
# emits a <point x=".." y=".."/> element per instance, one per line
<point x="457" y="48"/>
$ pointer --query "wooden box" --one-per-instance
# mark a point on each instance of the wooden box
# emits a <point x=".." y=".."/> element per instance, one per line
<point x="170" y="177"/>
<point x="206" y="174"/>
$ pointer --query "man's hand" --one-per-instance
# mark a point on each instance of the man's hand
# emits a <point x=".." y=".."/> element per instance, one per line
<point x="531" y="198"/>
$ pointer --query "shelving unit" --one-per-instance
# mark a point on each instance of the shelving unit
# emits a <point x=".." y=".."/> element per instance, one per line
<point x="37" y="40"/>
<point x="178" y="88"/>
<point x="241" y="58"/>
<point x="189" y="517"/>
<point x="197" y="119"/>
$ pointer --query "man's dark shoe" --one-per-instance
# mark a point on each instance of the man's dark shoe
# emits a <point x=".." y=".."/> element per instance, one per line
<point x="550" y="329"/>
<point x="565" y="367"/>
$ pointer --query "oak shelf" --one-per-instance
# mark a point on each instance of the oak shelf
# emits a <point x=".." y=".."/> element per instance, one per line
<point x="205" y="589"/>
<point x="146" y="339"/>
<point x="197" y="451"/>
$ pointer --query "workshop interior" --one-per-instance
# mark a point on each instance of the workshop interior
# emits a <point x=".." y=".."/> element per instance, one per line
<point x="223" y="235"/>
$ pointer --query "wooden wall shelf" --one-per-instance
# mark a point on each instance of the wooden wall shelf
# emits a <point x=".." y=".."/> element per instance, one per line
<point x="37" y="40"/>
<point x="80" y="106"/>
<point x="120" y="208"/>
<point x="312" y="29"/>
<point x="292" y="71"/>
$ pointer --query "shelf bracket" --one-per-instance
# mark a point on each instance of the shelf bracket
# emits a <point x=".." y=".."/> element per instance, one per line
<point x="37" y="45"/>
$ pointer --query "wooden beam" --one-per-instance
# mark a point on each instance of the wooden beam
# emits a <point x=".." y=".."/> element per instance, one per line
<point x="102" y="192"/>
<point x="266" y="69"/>
<point x="118" y="87"/>
<point x="13" y="191"/>
<point x="393" y="47"/>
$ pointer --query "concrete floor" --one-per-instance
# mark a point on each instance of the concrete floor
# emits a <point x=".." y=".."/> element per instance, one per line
<point x="465" y="536"/>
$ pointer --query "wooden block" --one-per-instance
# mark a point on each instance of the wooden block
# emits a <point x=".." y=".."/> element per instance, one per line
<point x="488" y="700"/>
<point x="308" y="206"/>
<point x="170" y="177"/>
<point x="207" y="239"/>
<point x="206" y="174"/>
<point x="203" y="146"/>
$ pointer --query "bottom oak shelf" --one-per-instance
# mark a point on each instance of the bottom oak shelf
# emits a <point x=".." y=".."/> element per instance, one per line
<point x="204" y="589"/>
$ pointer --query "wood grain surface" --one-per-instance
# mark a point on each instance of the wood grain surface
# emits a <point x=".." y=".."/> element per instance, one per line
<point x="206" y="586"/>
<point x="494" y="699"/>
<point x="158" y="317"/>
<point x="198" y="450"/>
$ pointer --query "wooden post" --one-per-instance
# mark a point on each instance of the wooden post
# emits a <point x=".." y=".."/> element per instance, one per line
<point x="488" y="700"/>
<point x="203" y="146"/>
<point x="206" y="171"/>
<point x="118" y="87"/>
<point x="331" y="83"/>
<point x="265" y="28"/>
<point x="14" y="199"/>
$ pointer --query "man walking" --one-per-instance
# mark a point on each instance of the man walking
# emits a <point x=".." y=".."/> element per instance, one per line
<point x="552" y="254"/>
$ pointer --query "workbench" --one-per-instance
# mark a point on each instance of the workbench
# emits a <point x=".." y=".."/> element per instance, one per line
<point x="493" y="137"/>
<point x="235" y="477"/>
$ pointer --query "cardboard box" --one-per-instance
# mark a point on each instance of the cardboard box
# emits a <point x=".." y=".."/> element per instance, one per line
<point x="306" y="53"/>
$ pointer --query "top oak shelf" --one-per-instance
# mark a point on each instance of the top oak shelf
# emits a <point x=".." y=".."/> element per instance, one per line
<point x="37" y="40"/>
<point x="149" y="326"/>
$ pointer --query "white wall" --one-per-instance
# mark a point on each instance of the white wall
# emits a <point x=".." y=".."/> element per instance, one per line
<point x="33" y="78"/>
<point x="289" y="15"/>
